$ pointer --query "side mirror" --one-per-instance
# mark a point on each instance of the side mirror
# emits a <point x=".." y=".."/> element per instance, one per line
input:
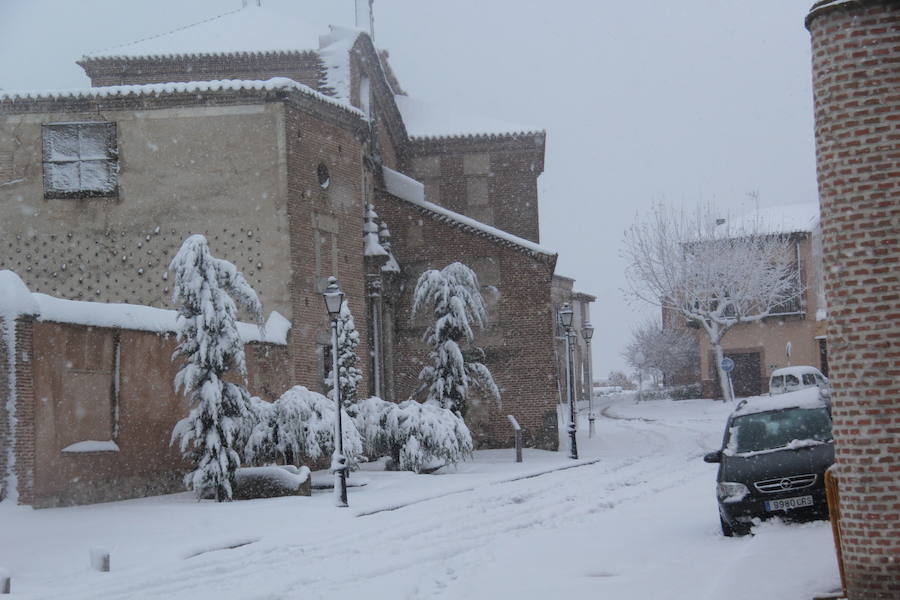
<point x="713" y="457"/>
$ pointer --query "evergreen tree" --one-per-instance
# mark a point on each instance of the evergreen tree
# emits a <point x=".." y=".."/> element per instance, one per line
<point x="211" y="347"/>
<point x="454" y="297"/>
<point x="348" y="373"/>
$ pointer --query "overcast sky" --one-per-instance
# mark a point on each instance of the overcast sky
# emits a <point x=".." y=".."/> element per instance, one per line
<point x="677" y="101"/>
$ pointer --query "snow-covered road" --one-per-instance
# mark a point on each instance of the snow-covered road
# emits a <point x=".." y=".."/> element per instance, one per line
<point x="637" y="519"/>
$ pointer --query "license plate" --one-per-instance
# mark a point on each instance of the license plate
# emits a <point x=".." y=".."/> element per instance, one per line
<point x="789" y="503"/>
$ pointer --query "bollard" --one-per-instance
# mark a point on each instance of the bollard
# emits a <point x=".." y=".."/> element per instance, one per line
<point x="5" y="585"/>
<point x="100" y="560"/>
<point x="518" y="429"/>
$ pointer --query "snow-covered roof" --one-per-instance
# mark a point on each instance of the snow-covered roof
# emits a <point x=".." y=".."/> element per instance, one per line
<point x="787" y="218"/>
<point x="804" y="398"/>
<point x="272" y="27"/>
<point x="412" y="191"/>
<point x="427" y="120"/>
<point x="16" y="299"/>
<point x="335" y="55"/>
<point x="186" y="87"/>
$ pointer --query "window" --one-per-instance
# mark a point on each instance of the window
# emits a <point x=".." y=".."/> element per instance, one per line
<point x="323" y="176"/>
<point x="80" y="160"/>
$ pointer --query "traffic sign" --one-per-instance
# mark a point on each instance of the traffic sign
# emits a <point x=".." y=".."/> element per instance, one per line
<point x="727" y="365"/>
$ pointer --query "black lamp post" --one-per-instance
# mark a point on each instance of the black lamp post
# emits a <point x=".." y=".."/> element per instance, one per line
<point x="334" y="297"/>
<point x="587" y="332"/>
<point x="565" y="319"/>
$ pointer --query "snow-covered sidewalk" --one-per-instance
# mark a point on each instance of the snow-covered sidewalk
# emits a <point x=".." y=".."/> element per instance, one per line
<point x="636" y="519"/>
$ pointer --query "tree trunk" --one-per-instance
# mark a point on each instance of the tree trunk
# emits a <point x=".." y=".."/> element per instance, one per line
<point x="724" y="384"/>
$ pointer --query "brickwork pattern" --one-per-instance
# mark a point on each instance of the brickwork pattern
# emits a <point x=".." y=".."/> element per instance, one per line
<point x="332" y="219"/>
<point x="519" y="353"/>
<point x="304" y="67"/>
<point x="454" y="170"/>
<point x="856" y="83"/>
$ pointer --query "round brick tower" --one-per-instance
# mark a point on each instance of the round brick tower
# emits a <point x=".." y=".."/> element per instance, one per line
<point x="856" y="85"/>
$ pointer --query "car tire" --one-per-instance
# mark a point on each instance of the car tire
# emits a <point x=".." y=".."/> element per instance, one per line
<point x="729" y="531"/>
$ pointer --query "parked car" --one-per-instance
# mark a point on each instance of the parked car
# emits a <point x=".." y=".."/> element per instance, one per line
<point x="773" y="459"/>
<point x="791" y="379"/>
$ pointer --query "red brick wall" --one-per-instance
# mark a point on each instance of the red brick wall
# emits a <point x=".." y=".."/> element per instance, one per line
<point x="148" y="406"/>
<point x="22" y="438"/>
<point x="519" y="348"/>
<point x="312" y="141"/>
<point x="856" y="78"/>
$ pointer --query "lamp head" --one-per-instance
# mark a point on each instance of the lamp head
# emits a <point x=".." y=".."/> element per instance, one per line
<point x="334" y="297"/>
<point x="565" y="315"/>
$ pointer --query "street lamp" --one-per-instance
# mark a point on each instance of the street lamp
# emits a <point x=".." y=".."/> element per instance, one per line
<point x="334" y="297"/>
<point x="565" y="319"/>
<point x="587" y="332"/>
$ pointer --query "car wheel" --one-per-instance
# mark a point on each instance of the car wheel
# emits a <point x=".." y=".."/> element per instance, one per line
<point x="729" y="531"/>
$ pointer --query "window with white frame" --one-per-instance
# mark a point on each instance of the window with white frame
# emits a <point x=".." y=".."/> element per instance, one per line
<point x="80" y="160"/>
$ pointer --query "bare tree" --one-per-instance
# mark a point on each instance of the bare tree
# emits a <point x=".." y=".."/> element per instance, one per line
<point x="714" y="273"/>
<point x="668" y="351"/>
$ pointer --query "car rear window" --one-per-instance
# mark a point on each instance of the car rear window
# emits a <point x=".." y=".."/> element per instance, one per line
<point x="777" y="429"/>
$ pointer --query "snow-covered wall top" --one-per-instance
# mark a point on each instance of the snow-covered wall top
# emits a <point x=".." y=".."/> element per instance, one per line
<point x="273" y="27"/>
<point x="428" y="120"/>
<point x="335" y="55"/>
<point x="186" y="87"/>
<point x="789" y="218"/>
<point x="412" y="191"/>
<point x="16" y="299"/>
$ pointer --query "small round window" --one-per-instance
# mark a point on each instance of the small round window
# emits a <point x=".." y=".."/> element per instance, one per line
<point x="324" y="176"/>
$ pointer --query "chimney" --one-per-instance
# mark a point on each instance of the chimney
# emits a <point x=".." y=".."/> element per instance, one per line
<point x="365" y="19"/>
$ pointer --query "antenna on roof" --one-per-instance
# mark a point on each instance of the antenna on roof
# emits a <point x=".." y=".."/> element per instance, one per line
<point x="365" y="18"/>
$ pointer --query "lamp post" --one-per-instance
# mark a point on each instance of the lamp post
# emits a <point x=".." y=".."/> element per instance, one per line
<point x="587" y="332"/>
<point x="565" y="318"/>
<point x="334" y="297"/>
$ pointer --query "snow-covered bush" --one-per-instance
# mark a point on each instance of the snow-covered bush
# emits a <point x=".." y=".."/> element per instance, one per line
<point x="417" y="435"/>
<point x="454" y="297"/>
<point x="347" y="342"/>
<point x="299" y="424"/>
<point x="211" y="347"/>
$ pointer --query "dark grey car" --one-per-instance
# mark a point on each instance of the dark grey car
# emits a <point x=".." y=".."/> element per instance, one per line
<point x="773" y="460"/>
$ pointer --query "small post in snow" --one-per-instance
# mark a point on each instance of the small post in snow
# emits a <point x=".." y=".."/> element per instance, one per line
<point x="5" y="583"/>
<point x="518" y="429"/>
<point x="100" y="560"/>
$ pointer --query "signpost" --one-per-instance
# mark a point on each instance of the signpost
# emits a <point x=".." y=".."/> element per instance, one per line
<point x="728" y="366"/>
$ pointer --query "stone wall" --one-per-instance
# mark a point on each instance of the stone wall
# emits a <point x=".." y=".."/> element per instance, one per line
<point x="855" y="49"/>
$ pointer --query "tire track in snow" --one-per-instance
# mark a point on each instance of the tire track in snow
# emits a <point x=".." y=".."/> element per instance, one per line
<point x="410" y="541"/>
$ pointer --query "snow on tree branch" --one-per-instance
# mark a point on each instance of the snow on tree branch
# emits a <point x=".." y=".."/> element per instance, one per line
<point x="453" y="296"/>
<point x="348" y="373"/>
<point x="210" y="345"/>
<point x="715" y="275"/>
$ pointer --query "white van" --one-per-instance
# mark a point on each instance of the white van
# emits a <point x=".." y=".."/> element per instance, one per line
<point x="791" y="379"/>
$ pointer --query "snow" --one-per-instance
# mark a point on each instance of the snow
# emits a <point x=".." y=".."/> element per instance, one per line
<point x="407" y="188"/>
<point x="286" y="478"/>
<point x="635" y="519"/>
<point x="15" y="298"/>
<point x="144" y="318"/>
<point x="335" y="55"/>
<point x="186" y="87"/>
<point x="805" y="398"/>
<point x="272" y="27"/>
<point x="428" y="120"/>
<point x="788" y="218"/>
<point x="92" y="446"/>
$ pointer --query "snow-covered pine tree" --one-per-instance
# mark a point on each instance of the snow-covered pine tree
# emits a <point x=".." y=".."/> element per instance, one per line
<point x="211" y="346"/>
<point x="454" y="297"/>
<point x="349" y="374"/>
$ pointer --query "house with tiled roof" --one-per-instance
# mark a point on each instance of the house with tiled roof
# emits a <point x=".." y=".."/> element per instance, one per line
<point x="297" y="154"/>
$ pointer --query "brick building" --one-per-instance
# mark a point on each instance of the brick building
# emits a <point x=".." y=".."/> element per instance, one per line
<point x="299" y="157"/>
<point x="855" y="49"/>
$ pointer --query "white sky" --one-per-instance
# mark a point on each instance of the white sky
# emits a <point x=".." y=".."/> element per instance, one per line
<point x="676" y="101"/>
